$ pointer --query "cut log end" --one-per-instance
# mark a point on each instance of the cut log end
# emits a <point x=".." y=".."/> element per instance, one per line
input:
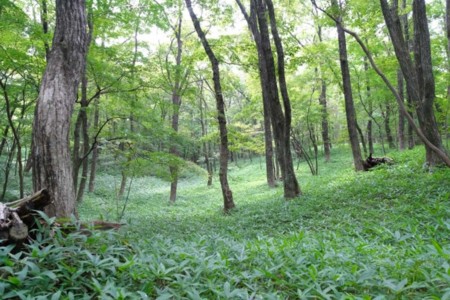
<point x="18" y="232"/>
<point x="16" y="217"/>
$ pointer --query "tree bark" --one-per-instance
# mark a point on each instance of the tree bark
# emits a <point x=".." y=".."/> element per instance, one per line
<point x="323" y="103"/>
<point x="349" y="104"/>
<point x="291" y="186"/>
<point x="252" y="22"/>
<point x="52" y="168"/>
<point x="204" y="133"/>
<point x="176" y="104"/>
<point x="325" y="130"/>
<point x="419" y="77"/>
<point x="401" y="116"/>
<point x="95" y="151"/>
<point x="370" y="108"/>
<point x="387" y="126"/>
<point x="223" y="171"/>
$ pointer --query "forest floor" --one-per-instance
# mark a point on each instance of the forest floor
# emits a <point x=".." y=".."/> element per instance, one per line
<point x="383" y="234"/>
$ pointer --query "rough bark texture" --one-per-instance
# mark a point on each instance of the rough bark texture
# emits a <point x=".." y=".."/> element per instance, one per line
<point x="442" y="155"/>
<point x="419" y="78"/>
<point x="52" y="168"/>
<point x="349" y="105"/>
<point x="422" y="55"/>
<point x="16" y="218"/>
<point x="291" y="186"/>
<point x="252" y="22"/>
<point x="278" y="118"/>
<point x="223" y="171"/>
<point x="81" y="157"/>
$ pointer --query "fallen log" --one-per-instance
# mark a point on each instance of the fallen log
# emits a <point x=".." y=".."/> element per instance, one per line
<point x="372" y="162"/>
<point x="17" y="217"/>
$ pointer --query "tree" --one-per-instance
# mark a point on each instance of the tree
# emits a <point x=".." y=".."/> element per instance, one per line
<point x="223" y="171"/>
<point x="419" y="76"/>
<point x="52" y="167"/>
<point x="268" y="137"/>
<point x="291" y="186"/>
<point x="347" y="86"/>
<point x="281" y="121"/>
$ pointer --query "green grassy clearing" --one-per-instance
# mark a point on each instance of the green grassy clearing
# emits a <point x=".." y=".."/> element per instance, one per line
<point x="382" y="234"/>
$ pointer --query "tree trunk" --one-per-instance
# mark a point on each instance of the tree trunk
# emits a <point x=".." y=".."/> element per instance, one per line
<point x="349" y="105"/>
<point x="44" y="20"/>
<point x="323" y="104"/>
<point x="94" y="158"/>
<point x="325" y="130"/>
<point x="17" y="142"/>
<point x="206" y="145"/>
<point x="361" y="136"/>
<point x="176" y="104"/>
<point x="404" y="24"/>
<point x="291" y="186"/>
<point x="8" y="169"/>
<point x="419" y="77"/>
<point x="370" y="109"/>
<point x="424" y="69"/>
<point x="401" y="116"/>
<point x="387" y="126"/>
<point x="223" y="171"/>
<point x="268" y="137"/>
<point x="52" y="167"/>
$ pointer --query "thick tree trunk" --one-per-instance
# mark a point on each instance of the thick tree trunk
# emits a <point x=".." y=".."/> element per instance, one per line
<point x="349" y="105"/>
<point x="52" y="168"/>
<point x="223" y="171"/>
<point x="252" y="22"/>
<point x="424" y="69"/>
<point x="291" y="186"/>
<point x="419" y="77"/>
<point x="279" y="122"/>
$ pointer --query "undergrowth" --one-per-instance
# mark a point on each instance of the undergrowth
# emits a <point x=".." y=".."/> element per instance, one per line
<point x="382" y="234"/>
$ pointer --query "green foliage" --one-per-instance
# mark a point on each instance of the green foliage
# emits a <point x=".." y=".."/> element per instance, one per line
<point x="374" y="235"/>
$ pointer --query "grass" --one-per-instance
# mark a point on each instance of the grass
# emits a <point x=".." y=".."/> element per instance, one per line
<point x="382" y="234"/>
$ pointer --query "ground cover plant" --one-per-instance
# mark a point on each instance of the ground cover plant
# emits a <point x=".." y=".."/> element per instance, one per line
<point x="382" y="234"/>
